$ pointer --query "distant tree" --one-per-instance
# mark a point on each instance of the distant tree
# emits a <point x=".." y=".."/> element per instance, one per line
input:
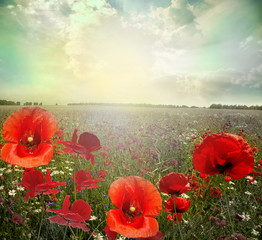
<point x="5" y="102"/>
<point x="35" y="103"/>
<point x="219" y="106"/>
<point x="40" y="104"/>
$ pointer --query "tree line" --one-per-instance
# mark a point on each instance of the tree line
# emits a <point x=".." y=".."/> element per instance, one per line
<point x="6" y="102"/>
<point x="220" y="106"/>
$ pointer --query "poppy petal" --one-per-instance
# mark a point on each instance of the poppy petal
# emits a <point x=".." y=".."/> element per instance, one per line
<point x="71" y="147"/>
<point x="74" y="137"/>
<point x="51" y="191"/>
<point x="89" y="141"/>
<point x="10" y="154"/>
<point x="82" y="208"/>
<point x="74" y="217"/>
<point x="30" y="194"/>
<point x="139" y="187"/>
<point x="79" y="225"/>
<point x="158" y="236"/>
<point x="111" y="235"/>
<point x="224" y="152"/>
<point x="80" y="176"/>
<point x="149" y="227"/>
<point x="174" y="183"/>
<point x="13" y="124"/>
<point x="66" y="203"/>
<point x="31" y="179"/>
<point x="57" y="219"/>
<point x="243" y="163"/>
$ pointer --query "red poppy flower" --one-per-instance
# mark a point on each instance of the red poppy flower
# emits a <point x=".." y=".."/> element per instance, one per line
<point x="102" y="173"/>
<point x="227" y="179"/>
<point x="111" y="235"/>
<point x="215" y="192"/>
<point x="174" y="183"/>
<point x="174" y="217"/>
<point x="87" y="143"/>
<point x="28" y="132"/>
<point x="34" y="182"/>
<point x="76" y="217"/>
<point x="84" y="180"/>
<point x="138" y="201"/>
<point x="224" y="153"/>
<point x="182" y="205"/>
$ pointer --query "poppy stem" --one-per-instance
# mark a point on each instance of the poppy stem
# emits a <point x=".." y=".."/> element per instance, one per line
<point x="177" y="220"/>
<point x="230" y="219"/>
<point x="65" y="231"/>
<point x="43" y="210"/>
<point x="72" y="231"/>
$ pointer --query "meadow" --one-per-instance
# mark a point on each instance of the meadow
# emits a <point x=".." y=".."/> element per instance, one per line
<point x="146" y="142"/>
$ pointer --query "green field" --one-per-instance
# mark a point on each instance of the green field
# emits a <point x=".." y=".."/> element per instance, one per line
<point x="147" y="142"/>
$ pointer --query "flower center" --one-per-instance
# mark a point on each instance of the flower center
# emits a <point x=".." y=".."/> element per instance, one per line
<point x="223" y="168"/>
<point x="132" y="209"/>
<point x="30" y="139"/>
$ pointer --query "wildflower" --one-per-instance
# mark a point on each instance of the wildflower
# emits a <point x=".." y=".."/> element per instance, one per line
<point x="17" y="219"/>
<point x="20" y="188"/>
<point x="180" y="203"/>
<point x="76" y="217"/>
<point x="205" y="177"/>
<point x="174" y="217"/>
<point x="255" y="233"/>
<point x="224" y="153"/>
<point x="34" y="182"/>
<point x="87" y="143"/>
<point x="12" y="192"/>
<point x="104" y="154"/>
<point x="174" y="183"/>
<point x="138" y="201"/>
<point x="227" y="179"/>
<point x="102" y="173"/>
<point x="239" y="217"/>
<point x="93" y="218"/>
<point x="84" y="180"/>
<point x="215" y="192"/>
<point x="28" y="132"/>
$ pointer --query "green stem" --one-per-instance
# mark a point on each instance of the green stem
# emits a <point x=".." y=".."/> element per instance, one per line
<point x="72" y="231"/>
<point x="65" y="231"/>
<point x="43" y="210"/>
<point x="178" y="224"/>
<point x="229" y="215"/>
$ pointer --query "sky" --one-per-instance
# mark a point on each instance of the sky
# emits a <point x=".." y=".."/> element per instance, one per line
<point x="181" y="52"/>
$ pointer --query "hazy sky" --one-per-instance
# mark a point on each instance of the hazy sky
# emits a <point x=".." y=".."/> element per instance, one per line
<point x="194" y="52"/>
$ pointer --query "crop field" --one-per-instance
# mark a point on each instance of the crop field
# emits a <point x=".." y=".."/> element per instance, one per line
<point x="139" y="152"/>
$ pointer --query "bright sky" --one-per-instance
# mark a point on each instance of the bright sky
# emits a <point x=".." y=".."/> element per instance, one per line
<point x="192" y="52"/>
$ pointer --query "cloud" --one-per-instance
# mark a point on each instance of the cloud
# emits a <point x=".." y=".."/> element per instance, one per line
<point x="178" y="52"/>
<point x="227" y="86"/>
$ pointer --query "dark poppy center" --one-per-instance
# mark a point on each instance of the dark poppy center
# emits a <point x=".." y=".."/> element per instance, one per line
<point x="222" y="169"/>
<point x="30" y="141"/>
<point x="132" y="211"/>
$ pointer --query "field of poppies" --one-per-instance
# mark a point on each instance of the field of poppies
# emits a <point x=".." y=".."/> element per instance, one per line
<point x="101" y="172"/>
